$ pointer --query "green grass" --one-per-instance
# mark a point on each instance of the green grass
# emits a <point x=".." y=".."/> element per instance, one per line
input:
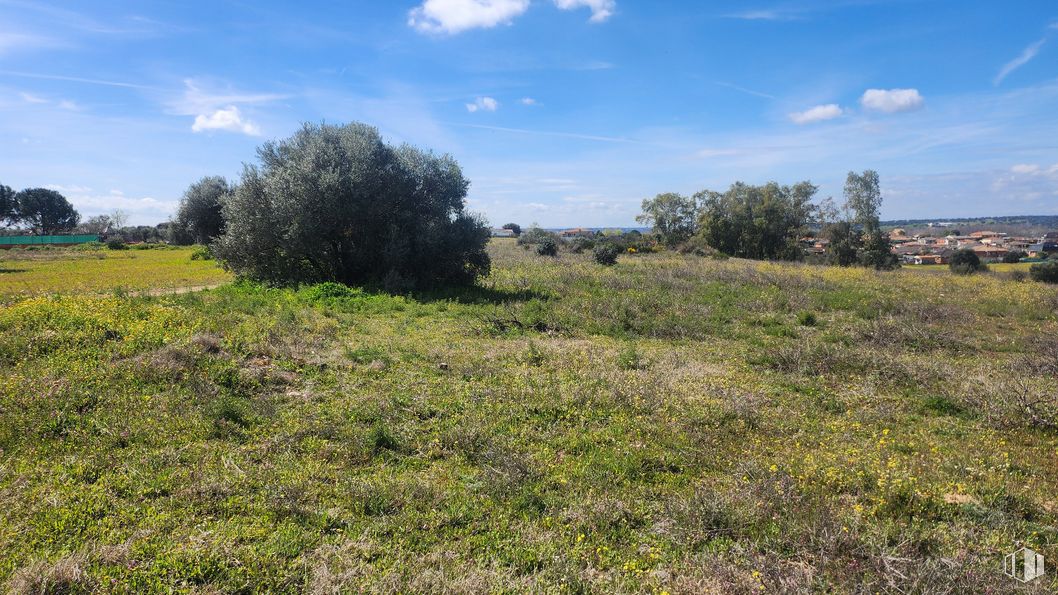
<point x="671" y="424"/>
<point x="72" y="271"/>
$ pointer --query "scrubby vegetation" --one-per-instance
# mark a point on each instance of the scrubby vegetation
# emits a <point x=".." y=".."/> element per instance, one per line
<point x="669" y="424"/>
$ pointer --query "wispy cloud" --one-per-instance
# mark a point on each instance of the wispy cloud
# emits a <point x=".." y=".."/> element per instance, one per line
<point x="764" y="15"/>
<point x="11" y="42"/>
<point x="606" y="139"/>
<point x="744" y="90"/>
<point x="1024" y="58"/>
<point x="75" y="79"/>
<point x="528" y="101"/>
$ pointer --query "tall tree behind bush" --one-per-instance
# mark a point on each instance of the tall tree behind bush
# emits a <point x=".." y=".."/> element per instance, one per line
<point x="761" y="222"/>
<point x="672" y="216"/>
<point x="45" y="211"/>
<point x="336" y="203"/>
<point x="200" y="219"/>
<point x="863" y="197"/>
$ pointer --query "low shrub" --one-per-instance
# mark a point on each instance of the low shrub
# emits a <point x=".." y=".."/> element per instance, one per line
<point x="966" y="262"/>
<point x="322" y="292"/>
<point x="1045" y="272"/>
<point x="606" y="254"/>
<point x="807" y="319"/>
<point x="547" y="247"/>
<point x="1014" y="256"/>
<point x="116" y="244"/>
<point x="202" y="253"/>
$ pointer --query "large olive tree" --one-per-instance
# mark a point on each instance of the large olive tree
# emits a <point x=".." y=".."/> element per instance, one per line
<point x="336" y="203"/>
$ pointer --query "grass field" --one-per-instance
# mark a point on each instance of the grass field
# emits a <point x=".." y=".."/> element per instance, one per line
<point x="25" y="273"/>
<point x="672" y="424"/>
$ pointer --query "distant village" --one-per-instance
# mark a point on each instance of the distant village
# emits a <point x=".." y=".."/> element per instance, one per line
<point x="989" y="246"/>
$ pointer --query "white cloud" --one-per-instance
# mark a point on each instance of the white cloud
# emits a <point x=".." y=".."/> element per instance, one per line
<point x="455" y="16"/>
<point x="528" y="101"/>
<point x="66" y="104"/>
<point x="143" y="210"/>
<point x="892" y="101"/>
<point x="600" y="9"/>
<point x="1032" y="169"/>
<point x="486" y="104"/>
<point x="229" y="119"/>
<point x="1024" y="58"/>
<point x="819" y="113"/>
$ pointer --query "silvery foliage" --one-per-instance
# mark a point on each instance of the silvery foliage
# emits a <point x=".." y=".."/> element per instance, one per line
<point x="336" y="203"/>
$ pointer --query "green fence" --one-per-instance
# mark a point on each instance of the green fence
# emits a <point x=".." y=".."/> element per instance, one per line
<point x="43" y="240"/>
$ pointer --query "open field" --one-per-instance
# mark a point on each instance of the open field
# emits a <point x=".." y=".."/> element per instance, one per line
<point x="25" y="273"/>
<point x="672" y="424"/>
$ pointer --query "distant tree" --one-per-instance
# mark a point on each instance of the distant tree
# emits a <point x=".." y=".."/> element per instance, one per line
<point x="761" y="222"/>
<point x="8" y="206"/>
<point x="966" y="262"/>
<point x="97" y="224"/>
<point x="45" y="211"/>
<point x="843" y="248"/>
<point x="954" y="232"/>
<point x="536" y="235"/>
<point x="200" y="215"/>
<point x="119" y="218"/>
<point x="515" y="228"/>
<point x="336" y="203"/>
<point x="863" y="198"/>
<point x="1014" y="256"/>
<point x="672" y="216"/>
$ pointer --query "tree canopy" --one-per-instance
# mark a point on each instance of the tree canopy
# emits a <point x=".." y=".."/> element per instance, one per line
<point x="199" y="218"/>
<point x="336" y="203"/>
<point x="45" y="211"/>
<point x="762" y="222"/>
<point x="671" y="215"/>
<point x="7" y="204"/>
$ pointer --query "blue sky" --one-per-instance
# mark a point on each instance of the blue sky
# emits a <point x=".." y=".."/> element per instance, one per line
<point x="562" y="112"/>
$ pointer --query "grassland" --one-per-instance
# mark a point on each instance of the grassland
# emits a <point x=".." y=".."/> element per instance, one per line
<point x="672" y="424"/>
<point x="34" y="272"/>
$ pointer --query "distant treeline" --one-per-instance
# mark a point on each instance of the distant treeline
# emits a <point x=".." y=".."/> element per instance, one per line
<point x="1050" y="221"/>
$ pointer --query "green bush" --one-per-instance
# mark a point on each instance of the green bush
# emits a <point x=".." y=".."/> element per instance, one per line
<point x="807" y="319"/>
<point x="337" y="203"/>
<point x="202" y="253"/>
<point x="547" y="247"/>
<point x="330" y="290"/>
<point x="1014" y="256"/>
<point x="606" y="254"/>
<point x="116" y="244"/>
<point x="579" y="245"/>
<point x="966" y="262"/>
<point x="1045" y="272"/>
